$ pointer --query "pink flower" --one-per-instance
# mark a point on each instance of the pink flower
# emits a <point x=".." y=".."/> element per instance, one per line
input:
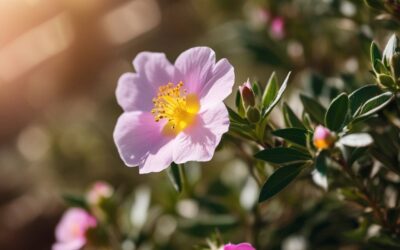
<point x="100" y="190"/>
<point x="71" y="230"/>
<point x="172" y="112"/>
<point x="323" y="137"/>
<point x="241" y="246"/>
<point x="278" y="27"/>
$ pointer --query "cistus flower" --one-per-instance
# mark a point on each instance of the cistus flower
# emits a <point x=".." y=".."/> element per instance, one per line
<point x="323" y="138"/>
<point x="241" y="246"/>
<point x="247" y="94"/>
<point x="172" y="112"/>
<point x="72" y="228"/>
<point x="99" y="190"/>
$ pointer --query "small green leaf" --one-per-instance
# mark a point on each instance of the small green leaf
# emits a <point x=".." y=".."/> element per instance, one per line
<point x="236" y="118"/>
<point x="358" y="97"/>
<point x="357" y="140"/>
<point x="386" y="81"/>
<point x="256" y="88"/>
<point x="239" y="104"/>
<point x="375" y="54"/>
<point x="280" y="179"/>
<point x="282" y="155"/>
<point x="278" y="96"/>
<point x="321" y="162"/>
<point x="175" y="177"/>
<point x="375" y="104"/>
<point x="294" y="135"/>
<point x="313" y="108"/>
<point x="290" y="117"/>
<point x="270" y="91"/>
<point x="337" y="112"/>
<point x="75" y="201"/>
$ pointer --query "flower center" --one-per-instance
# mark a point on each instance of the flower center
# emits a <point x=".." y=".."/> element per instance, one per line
<point x="175" y="105"/>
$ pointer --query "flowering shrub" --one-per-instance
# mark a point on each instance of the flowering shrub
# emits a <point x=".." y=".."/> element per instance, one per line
<point x="174" y="114"/>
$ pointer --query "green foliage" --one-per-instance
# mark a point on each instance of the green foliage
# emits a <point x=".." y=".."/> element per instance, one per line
<point x="281" y="178"/>
<point x="337" y="112"/>
<point x="294" y="135"/>
<point x="313" y="108"/>
<point x="282" y="155"/>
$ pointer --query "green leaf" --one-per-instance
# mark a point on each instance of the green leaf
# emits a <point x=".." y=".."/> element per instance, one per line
<point x="280" y="179"/>
<point x="282" y="155"/>
<point x="278" y="96"/>
<point x="357" y="140"/>
<point x="294" y="135"/>
<point x="375" y="55"/>
<point x="175" y="177"/>
<point x="256" y="88"/>
<point x="239" y="104"/>
<point x="375" y="104"/>
<point x="337" y="112"/>
<point x="321" y="162"/>
<point x="270" y="91"/>
<point x="236" y="118"/>
<point x="75" y="201"/>
<point x="361" y="95"/>
<point x="386" y="81"/>
<point x="291" y="119"/>
<point x="313" y="108"/>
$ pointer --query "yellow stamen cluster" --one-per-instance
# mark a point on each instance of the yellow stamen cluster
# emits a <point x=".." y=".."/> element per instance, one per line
<point x="175" y="105"/>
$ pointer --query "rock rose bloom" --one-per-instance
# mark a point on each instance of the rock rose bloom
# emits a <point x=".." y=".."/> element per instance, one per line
<point x="100" y="190"/>
<point x="241" y="246"/>
<point x="71" y="230"/>
<point x="172" y="112"/>
<point x="323" y="137"/>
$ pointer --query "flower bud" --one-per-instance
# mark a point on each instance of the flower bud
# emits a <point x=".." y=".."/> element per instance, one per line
<point x="323" y="138"/>
<point x="98" y="192"/>
<point x="253" y="115"/>
<point x="247" y="94"/>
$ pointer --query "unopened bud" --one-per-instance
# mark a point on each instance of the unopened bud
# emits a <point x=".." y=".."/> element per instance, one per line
<point x="253" y="114"/>
<point x="323" y="138"/>
<point x="391" y="47"/>
<point x="247" y="94"/>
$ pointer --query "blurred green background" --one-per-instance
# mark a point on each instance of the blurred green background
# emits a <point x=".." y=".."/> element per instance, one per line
<point x="59" y="64"/>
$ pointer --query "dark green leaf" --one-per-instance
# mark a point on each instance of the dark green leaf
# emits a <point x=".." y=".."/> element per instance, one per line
<point x="321" y="162"/>
<point x="313" y="108"/>
<point x="291" y="119"/>
<point x="271" y="90"/>
<point x="235" y="117"/>
<point x="337" y="112"/>
<point x="175" y="177"/>
<point x="278" y="96"/>
<point x="75" y="201"/>
<point x="280" y="179"/>
<point x="282" y="155"/>
<point x="361" y="95"/>
<point x="374" y="105"/>
<point x="294" y="135"/>
<point x="375" y="54"/>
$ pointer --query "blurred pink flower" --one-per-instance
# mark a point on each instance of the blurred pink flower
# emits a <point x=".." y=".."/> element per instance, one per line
<point x="278" y="27"/>
<point x="71" y="230"/>
<point x="241" y="246"/>
<point x="99" y="190"/>
<point x="172" y="112"/>
<point x="323" y="137"/>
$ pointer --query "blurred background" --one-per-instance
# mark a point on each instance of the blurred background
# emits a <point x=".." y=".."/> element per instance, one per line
<point x="59" y="64"/>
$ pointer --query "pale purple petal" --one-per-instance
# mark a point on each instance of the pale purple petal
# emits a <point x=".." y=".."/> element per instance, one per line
<point x="219" y="86"/>
<point x="139" y="138"/>
<point x="201" y="75"/>
<point x="75" y="244"/>
<point x="195" y="65"/>
<point x="241" y="246"/>
<point x="158" y="160"/>
<point x="198" y="142"/>
<point x="135" y="91"/>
